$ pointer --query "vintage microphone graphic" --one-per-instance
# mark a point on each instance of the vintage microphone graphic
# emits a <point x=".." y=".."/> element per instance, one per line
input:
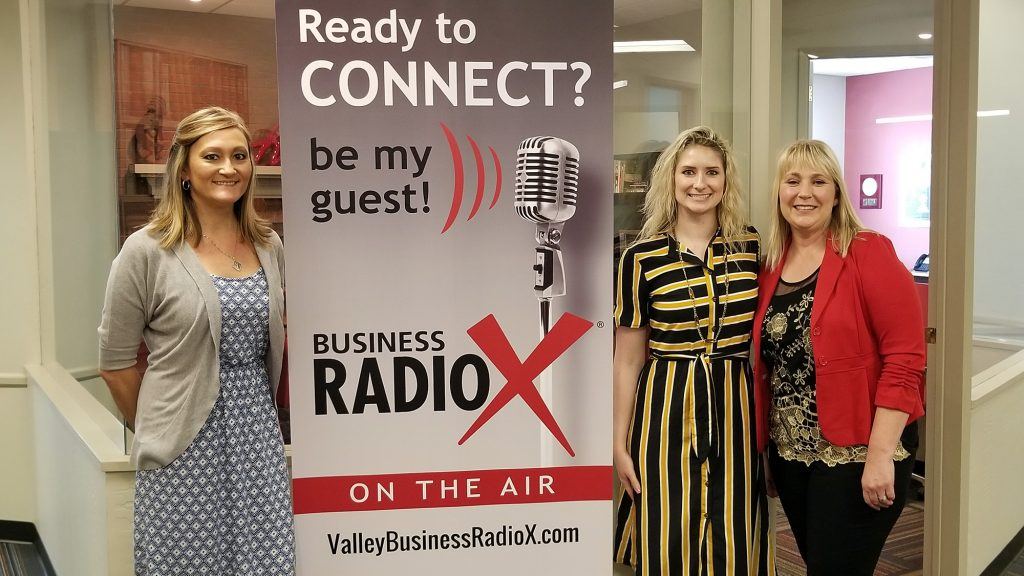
<point x="547" y="183"/>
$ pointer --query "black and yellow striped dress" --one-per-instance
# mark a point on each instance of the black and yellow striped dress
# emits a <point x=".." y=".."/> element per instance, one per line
<point x="702" y="509"/>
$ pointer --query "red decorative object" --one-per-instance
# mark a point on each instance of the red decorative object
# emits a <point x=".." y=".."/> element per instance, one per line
<point x="870" y="191"/>
<point x="266" y="147"/>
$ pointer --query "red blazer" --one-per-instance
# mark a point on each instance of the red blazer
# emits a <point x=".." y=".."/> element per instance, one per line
<point x="868" y="340"/>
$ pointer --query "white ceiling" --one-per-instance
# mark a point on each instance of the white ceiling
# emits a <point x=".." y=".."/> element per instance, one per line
<point x="629" y="12"/>
<point x="862" y="66"/>
<point x="252" y="8"/>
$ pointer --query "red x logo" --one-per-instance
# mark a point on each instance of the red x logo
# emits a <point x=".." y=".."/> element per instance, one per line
<point x="489" y="336"/>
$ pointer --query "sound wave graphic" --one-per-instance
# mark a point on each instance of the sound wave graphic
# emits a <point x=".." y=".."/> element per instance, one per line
<point x="460" y="177"/>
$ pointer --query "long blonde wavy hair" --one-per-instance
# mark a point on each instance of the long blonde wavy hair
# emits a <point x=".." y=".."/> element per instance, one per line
<point x="175" y="220"/>
<point x="660" y="207"/>
<point x="844" y="225"/>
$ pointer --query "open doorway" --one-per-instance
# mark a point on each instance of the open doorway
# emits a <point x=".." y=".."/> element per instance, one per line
<point x="875" y="112"/>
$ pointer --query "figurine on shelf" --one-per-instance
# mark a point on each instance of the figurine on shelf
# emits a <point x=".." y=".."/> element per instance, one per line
<point x="266" y="147"/>
<point x="146" y="141"/>
<point x="145" y="144"/>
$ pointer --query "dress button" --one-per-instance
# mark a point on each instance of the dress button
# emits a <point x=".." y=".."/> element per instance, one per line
<point x="822" y="362"/>
<point x="816" y="331"/>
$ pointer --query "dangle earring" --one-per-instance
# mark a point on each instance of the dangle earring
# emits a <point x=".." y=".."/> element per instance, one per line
<point x="186" y="186"/>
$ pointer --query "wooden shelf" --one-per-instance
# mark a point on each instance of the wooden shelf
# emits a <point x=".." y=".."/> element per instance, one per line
<point x="159" y="169"/>
<point x="136" y="198"/>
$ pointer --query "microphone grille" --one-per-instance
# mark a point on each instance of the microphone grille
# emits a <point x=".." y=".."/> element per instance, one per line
<point x="547" y="179"/>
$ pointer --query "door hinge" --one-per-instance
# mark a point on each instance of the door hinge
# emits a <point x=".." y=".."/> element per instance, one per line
<point x="930" y="335"/>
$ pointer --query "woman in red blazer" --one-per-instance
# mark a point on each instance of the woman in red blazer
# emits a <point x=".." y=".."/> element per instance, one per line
<point x="839" y="362"/>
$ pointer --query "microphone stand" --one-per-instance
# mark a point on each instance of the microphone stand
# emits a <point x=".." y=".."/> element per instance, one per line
<point x="550" y="283"/>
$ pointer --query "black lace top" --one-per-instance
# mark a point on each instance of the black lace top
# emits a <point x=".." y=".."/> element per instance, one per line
<point x="793" y="418"/>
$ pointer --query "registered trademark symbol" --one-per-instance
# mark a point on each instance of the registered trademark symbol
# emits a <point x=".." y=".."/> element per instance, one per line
<point x="600" y="324"/>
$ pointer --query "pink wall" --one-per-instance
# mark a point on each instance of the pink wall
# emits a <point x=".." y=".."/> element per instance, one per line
<point x="884" y="148"/>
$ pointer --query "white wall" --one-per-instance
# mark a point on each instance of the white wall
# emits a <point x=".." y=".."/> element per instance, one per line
<point x="86" y="486"/>
<point x="995" y="505"/>
<point x="985" y="354"/>
<point x="828" y="112"/>
<point x="17" y="482"/>
<point x="72" y="508"/>
<point x="999" y="209"/>
<point x="19" y="309"/>
<point x="97" y="388"/>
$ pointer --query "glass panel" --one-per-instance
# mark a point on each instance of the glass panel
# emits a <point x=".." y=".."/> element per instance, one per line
<point x="997" y="386"/>
<point x="169" y="63"/>
<point x="657" y="95"/>
<point x="998" y="267"/>
<point x="858" y="76"/>
<point x="80" y="138"/>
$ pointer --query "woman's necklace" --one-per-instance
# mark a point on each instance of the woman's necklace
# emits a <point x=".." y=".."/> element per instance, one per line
<point x="234" y="261"/>
<point x="710" y="337"/>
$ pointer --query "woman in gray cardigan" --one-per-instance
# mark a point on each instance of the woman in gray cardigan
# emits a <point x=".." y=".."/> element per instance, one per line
<point x="203" y="285"/>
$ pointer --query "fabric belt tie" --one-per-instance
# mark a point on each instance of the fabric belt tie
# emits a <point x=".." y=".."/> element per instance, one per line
<point x="706" y="426"/>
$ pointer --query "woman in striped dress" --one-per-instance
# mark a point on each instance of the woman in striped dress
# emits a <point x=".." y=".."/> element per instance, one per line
<point x="685" y="449"/>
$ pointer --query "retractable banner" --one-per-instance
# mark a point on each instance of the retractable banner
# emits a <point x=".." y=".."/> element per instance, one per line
<point x="448" y="223"/>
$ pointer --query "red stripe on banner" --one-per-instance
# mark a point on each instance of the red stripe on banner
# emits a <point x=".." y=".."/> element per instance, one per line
<point x="480" y="175"/>
<point x="451" y="489"/>
<point x="457" y="169"/>
<point x="497" y="185"/>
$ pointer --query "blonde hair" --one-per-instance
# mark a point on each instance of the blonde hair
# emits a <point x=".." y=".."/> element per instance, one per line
<point x="660" y="207"/>
<point x="844" y="224"/>
<point x="175" y="220"/>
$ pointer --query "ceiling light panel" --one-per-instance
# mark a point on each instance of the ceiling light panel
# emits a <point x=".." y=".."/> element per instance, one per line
<point x="652" y="46"/>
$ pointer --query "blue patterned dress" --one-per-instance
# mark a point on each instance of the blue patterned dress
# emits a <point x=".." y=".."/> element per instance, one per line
<point x="224" y="506"/>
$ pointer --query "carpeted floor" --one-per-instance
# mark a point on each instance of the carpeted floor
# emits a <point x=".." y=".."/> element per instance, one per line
<point x="1016" y="568"/>
<point x="20" y="559"/>
<point x="902" y="556"/>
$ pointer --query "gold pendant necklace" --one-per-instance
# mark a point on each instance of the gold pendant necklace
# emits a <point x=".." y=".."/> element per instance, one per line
<point x="711" y="337"/>
<point x="234" y="261"/>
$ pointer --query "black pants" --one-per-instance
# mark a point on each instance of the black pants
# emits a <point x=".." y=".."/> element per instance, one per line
<point x="837" y="533"/>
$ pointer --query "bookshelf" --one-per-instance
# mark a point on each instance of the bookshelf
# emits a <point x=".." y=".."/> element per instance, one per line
<point x="631" y="181"/>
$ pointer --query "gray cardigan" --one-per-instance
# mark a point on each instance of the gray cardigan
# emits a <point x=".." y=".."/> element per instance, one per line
<point x="167" y="298"/>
